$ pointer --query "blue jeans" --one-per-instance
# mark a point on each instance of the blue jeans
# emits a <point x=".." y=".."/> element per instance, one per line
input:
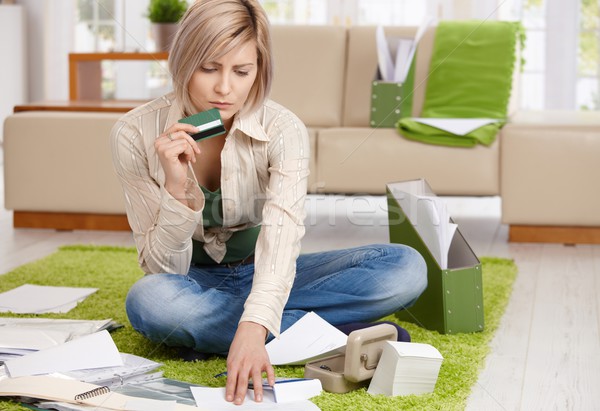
<point x="201" y="310"/>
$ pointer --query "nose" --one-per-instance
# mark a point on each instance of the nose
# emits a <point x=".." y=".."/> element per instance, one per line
<point x="223" y="85"/>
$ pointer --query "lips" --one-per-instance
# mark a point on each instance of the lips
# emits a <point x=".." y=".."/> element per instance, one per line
<point x="221" y="104"/>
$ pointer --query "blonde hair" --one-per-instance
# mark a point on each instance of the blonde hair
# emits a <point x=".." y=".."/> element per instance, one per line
<point x="210" y="29"/>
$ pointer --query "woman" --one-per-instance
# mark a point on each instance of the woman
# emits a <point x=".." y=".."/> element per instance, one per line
<point x="218" y="222"/>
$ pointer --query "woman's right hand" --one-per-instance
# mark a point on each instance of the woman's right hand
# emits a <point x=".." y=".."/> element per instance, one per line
<point x="176" y="148"/>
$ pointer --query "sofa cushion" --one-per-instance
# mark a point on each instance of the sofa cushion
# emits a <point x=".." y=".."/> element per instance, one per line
<point x="363" y="160"/>
<point x="550" y="168"/>
<point x="60" y="162"/>
<point x="309" y="72"/>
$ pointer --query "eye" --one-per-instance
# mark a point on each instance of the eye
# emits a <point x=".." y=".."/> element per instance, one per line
<point x="208" y="69"/>
<point x="242" y="73"/>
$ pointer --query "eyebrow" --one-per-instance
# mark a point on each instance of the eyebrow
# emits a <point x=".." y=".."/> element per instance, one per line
<point x="235" y="66"/>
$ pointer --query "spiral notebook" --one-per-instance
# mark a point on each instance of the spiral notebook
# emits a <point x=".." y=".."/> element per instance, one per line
<point x="77" y="392"/>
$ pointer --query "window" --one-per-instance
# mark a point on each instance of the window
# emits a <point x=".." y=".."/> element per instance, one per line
<point x="588" y="69"/>
<point x="96" y="28"/>
<point x="561" y="54"/>
<point x="120" y="25"/>
<point x="533" y="78"/>
<point x="346" y="12"/>
<point x="296" y="11"/>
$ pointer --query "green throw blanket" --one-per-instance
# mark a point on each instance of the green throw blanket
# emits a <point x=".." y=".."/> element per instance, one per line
<point x="470" y="76"/>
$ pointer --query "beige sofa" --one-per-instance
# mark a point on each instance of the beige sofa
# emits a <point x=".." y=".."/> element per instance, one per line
<point x="58" y="163"/>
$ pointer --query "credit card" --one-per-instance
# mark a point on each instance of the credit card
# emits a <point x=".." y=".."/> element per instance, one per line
<point x="208" y="123"/>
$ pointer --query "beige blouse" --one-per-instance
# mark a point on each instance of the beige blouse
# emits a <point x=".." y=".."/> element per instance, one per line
<point x="264" y="172"/>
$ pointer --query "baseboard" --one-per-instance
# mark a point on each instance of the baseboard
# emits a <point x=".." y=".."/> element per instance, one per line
<point x="554" y="234"/>
<point x="70" y="221"/>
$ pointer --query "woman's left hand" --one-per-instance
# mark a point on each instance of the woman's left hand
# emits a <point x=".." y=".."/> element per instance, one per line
<point x="247" y="359"/>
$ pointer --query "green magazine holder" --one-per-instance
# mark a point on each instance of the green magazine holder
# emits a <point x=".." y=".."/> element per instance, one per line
<point x="453" y="300"/>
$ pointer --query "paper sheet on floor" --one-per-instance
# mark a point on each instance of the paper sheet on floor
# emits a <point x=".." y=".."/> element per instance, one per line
<point x="214" y="399"/>
<point x="91" y="351"/>
<point x="41" y="299"/>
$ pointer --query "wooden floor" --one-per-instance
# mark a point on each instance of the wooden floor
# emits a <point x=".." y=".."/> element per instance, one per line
<point x="546" y="354"/>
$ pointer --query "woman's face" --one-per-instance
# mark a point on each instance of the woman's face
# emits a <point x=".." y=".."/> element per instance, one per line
<point x="225" y="83"/>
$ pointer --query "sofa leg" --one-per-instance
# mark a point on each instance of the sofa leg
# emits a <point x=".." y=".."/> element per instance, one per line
<point x="553" y="234"/>
<point x="70" y="221"/>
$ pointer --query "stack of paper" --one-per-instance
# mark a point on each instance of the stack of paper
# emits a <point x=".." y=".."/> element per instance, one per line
<point x="42" y="299"/>
<point x="395" y="55"/>
<point x="406" y="368"/>
<point x="429" y="215"/>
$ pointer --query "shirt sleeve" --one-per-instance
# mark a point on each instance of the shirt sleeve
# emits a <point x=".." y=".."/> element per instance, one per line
<point x="162" y="226"/>
<point x="282" y="229"/>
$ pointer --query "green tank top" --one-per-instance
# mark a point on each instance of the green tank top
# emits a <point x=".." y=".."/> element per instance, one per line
<point x="240" y="245"/>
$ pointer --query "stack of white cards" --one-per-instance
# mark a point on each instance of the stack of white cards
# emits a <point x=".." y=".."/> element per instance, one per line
<point x="406" y="368"/>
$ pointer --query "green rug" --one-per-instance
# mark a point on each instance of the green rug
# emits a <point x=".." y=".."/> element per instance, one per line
<point x="113" y="270"/>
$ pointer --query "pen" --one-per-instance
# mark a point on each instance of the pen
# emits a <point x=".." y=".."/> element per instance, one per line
<point x="277" y="381"/>
<point x="222" y="374"/>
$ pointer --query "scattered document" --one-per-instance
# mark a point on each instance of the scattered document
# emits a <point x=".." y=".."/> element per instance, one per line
<point x="77" y="392"/>
<point x="134" y="369"/>
<point x="21" y="336"/>
<point x="42" y="299"/>
<point x="162" y="389"/>
<point x="293" y="389"/>
<point x="458" y="126"/>
<point x="91" y="351"/>
<point x="406" y="368"/>
<point x="309" y="339"/>
<point x="214" y="399"/>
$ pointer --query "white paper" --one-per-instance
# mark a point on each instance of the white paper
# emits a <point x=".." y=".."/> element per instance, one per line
<point x="32" y="334"/>
<point x="458" y="126"/>
<point x="404" y="56"/>
<point x="310" y="338"/>
<point x="91" y="351"/>
<point x="406" y="368"/>
<point x="30" y="339"/>
<point x="427" y="21"/>
<point x="294" y="389"/>
<point x="429" y="216"/>
<point x="396" y="70"/>
<point x="384" y="57"/>
<point x="214" y="399"/>
<point x="40" y="299"/>
<point x="145" y="404"/>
